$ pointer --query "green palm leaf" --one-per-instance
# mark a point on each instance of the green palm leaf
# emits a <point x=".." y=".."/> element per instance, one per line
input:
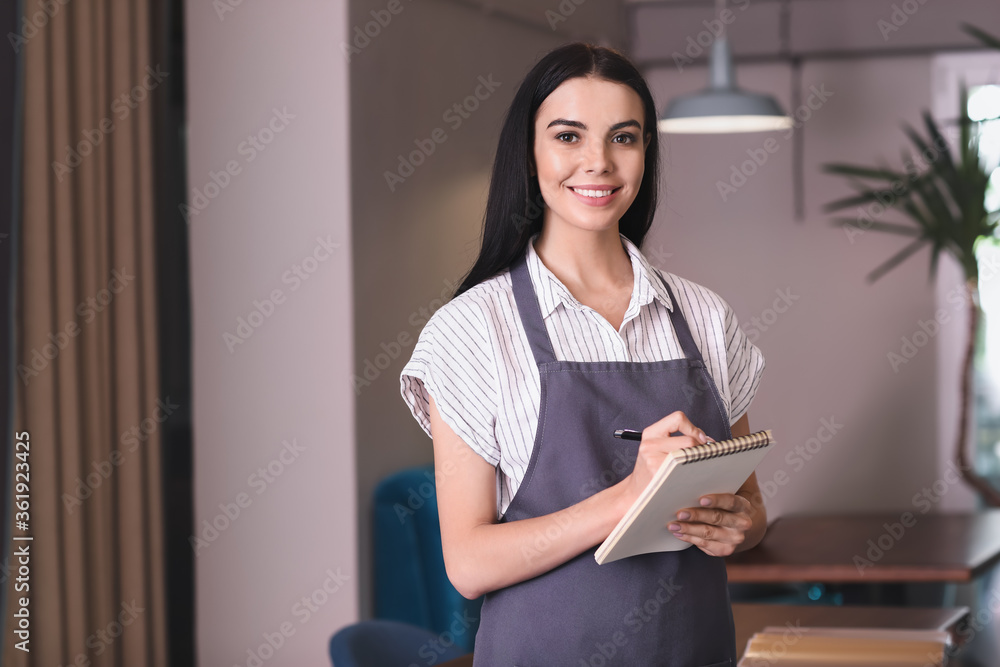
<point x="890" y="227"/>
<point x="947" y="203"/>
<point x="939" y="158"/>
<point x="895" y="260"/>
<point x="983" y="36"/>
<point x="914" y="211"/>
<point x="965" y="126"/>
<point x="944" y="196"/>
<point x="863" y="172"/>
<point x="866" y="197"/>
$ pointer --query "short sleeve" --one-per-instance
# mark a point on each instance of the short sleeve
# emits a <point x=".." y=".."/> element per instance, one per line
<point x="453" y="362"/>
<point x="746" y="365"/>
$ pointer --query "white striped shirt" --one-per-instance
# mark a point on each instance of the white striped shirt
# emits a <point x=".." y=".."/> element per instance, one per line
<point x="473" y="355"/>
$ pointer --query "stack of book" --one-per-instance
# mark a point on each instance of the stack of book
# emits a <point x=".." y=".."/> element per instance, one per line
<point x="846" y="647"/>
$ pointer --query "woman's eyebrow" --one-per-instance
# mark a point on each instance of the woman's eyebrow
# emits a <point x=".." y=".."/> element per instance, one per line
<point x="578" y="124"/>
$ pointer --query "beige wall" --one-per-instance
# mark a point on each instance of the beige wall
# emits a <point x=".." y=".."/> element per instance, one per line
<point x="827" y="355"/>
<point x="415" y="242"/>
<point x="293" y="378"/>
<point x="287" y="380"/>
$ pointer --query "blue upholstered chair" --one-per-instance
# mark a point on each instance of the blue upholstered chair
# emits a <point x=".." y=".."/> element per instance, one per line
<point x="411" y="584"/>
<point x="388" y="644"/>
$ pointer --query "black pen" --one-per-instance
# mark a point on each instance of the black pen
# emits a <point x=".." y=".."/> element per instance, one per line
<point x="629" y="434"/>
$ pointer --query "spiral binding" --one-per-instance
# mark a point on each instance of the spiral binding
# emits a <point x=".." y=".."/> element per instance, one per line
<point x="711" y="450"/>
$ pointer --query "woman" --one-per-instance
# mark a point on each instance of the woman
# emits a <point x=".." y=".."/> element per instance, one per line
<point x="561" y="333"/>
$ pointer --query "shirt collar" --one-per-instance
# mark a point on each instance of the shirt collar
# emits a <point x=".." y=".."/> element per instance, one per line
<point x="551" y="291"/>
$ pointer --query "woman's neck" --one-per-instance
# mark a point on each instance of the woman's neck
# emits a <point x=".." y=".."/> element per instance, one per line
<point x="588" y="261"/>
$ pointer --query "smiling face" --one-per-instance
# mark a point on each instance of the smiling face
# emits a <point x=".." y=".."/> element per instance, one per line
<point x="589" y="152"/>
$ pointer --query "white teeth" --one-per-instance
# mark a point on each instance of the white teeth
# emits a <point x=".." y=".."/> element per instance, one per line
<point x="593" y="193"/>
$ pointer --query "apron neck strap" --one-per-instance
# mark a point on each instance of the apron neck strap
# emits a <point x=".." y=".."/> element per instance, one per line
<point x="684" y="336"/>
<point x="530" y="311"/>
<point x="534" y="325"/>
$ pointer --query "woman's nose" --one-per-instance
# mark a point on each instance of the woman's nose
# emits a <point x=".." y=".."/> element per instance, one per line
<point x="596" y="158"/>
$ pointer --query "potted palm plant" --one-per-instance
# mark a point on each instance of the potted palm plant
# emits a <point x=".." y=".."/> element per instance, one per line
<point x="946" y="202"/>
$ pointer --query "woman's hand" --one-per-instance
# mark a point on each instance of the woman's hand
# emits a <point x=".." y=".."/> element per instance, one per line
<point x="726" y="523"/>
<point x="719" y="526"/>
<point x="655" y="445"/>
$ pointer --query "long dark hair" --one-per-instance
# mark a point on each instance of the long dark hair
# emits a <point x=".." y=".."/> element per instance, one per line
<point x="514" y="206"/>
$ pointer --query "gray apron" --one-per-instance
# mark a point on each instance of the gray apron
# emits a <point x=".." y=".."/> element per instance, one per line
<point x="669" y="608"/>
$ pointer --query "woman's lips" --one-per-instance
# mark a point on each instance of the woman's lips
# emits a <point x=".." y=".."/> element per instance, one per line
<point x="590" y="200"/>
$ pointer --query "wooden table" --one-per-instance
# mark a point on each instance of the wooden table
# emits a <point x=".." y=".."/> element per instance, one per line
<point x="872" y="548"/>
<point x="751" y="618"/>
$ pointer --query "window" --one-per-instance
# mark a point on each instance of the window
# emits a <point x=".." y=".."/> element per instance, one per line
<point x="980" y="72"/>
<point x="984" y="105"/>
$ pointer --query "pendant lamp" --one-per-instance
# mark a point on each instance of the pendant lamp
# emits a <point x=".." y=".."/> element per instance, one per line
<point x="722" y="108"/>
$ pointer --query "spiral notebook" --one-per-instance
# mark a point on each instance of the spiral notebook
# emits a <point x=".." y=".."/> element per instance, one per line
<point x="684" y="477"/>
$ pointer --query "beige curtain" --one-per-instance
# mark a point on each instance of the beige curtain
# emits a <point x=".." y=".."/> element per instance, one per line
<point x="87" y="374"/>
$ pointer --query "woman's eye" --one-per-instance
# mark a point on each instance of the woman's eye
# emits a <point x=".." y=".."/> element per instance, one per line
<point x="627" y="139"/>
<point x="565" y="137"/>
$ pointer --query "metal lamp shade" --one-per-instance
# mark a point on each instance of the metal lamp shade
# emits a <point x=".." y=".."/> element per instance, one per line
<point x="722" y="107"/>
